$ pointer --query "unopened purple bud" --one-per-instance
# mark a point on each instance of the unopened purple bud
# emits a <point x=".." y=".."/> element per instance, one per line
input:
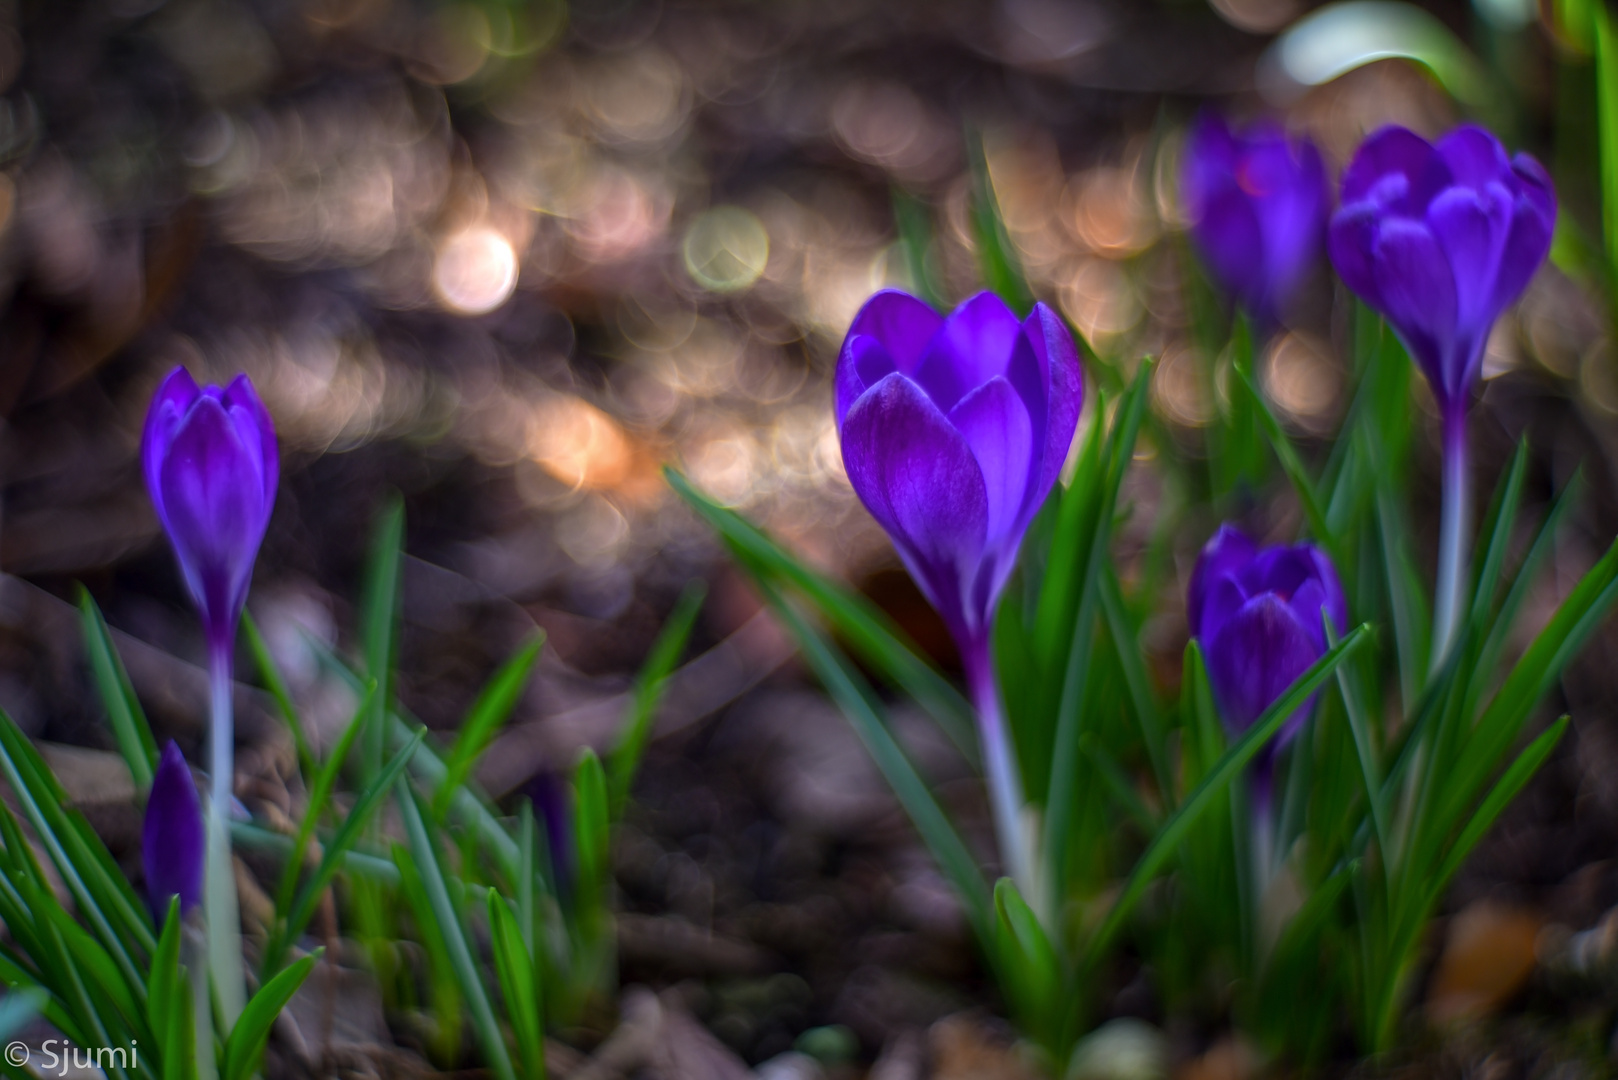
<point x="954" y="431"/>
<point x="211" y="466"/>
<point x="1257" y="614"/>
<point x="552" y="802"/>
<point x="1441" y="238"/>
<point x="1257" y="203"/>
<point x="172" y="841"/>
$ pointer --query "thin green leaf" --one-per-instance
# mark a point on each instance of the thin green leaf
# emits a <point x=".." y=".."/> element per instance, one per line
<point x="590" y="824"/>
<point x="874" y="637"/>
<point x="245" y="1048"/>
<point x="331" y="860"/>
<point x="515" y="967"/>
<point x="997" y="258"/>
<point x="449" y="923"/>
<point x="164" y="990"/>
<point x="854" y="696"/>
<point x="624" y="761"/>
<point x="912" y="220"/>
<point x="489" y="711"/>
<point x="379" y="623"/>
<point x="129" y="725"/>
<point x="324" y="781"/>
<point x="276" y="683"/>
<point x="1291" y="464"/>
<point x="1174" y="830"/>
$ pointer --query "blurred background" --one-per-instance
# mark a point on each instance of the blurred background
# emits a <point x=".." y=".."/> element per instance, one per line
<point x="511" y="258"/>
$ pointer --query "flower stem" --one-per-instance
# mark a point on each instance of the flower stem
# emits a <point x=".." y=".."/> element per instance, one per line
<point x="194" y="955"/>
<point x="1000" y="769"/>
<point x="219" y="889"/>
<point x="1452" y="558"/>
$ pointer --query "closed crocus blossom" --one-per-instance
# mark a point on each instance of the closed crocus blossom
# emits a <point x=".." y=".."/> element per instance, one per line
<point x="1257" y="615"/>
<point x="171" y="844"/>
<point x="1440" y="238"/>
<point x="1256" y="201"/>
<point x="211" y="467"/>
<point x="954" y="430"/>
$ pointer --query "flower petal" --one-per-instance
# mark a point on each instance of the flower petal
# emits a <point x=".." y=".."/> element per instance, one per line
<point x="1472" y="226"/>
<point x="995" y="422"/>
<point x="863" y="363"/>
<point x="1351" y="243"/>
<point x="916" y="475"/>
<point x="1533" y="222"/>
<point x="1046" y="350"/>
<point x="213" y="494"/>
<point x="1208" y="162"/>
<point x="904" y="324"/>
<point x="1226" y="552"/>
<point x="1254" y="656"/>
<point x="972" y="346"/>
<point x="255" y="426"/>
<point x="174" y="396"/>
<point x="172" y="842"/>
<point x="1473" y="155"/>
<point x="1418" y="295"/>
<point x="1391" y="149"/>
<point x="1231" y="242"/>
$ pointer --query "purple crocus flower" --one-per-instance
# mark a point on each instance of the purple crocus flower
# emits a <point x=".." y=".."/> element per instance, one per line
<point x="1257" y="203"/>
<point x="172" y="841"/>
<point x="1256" y="613"/>
<point x="1440" y="238"/>
<point x="211" y="467"/>
<point x="954" y="430"/>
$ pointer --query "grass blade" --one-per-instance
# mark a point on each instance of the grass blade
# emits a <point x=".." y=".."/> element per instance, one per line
<point x="489" y="711"/>
<point x="449" y="923"/>
<point x="276" y="683"/>
<point x="245" y="1048"/>
<point x="624" y="760"/>
<point x="379" y="623"/>
<point x="129" y="726"/>
<point x="1174" y="830"/>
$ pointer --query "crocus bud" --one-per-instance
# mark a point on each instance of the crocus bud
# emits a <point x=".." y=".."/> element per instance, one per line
<point x="1257" y="204"/>
<point x="954" y="430"/>
<point x="552" y="801"/>
<point x="1440" y="239"/>
<point x="1257" y="615"/>
<point x="172" y="842"/>
<point x="211" y="467"/>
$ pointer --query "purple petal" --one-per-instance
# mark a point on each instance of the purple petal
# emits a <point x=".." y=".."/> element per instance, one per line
<point x="1046" y="340"/>
<point x="904" y="324"/>
<point x="973" y="345"/>
<point x="864" y="362"/>
<point x="1227" y="551"/>
<point x="1351" y="243"/>
<point x="1391" y="150"/>
<point x="1533" y="222"/>
<point x="1254" y="656"/>
<point x="995" y="422"/>
<point x="1231" y="242"/>
<point x="212" y="490"/>
<point x="916" y="475"/>
<point x="172" y="842"/>
<point x="1209" y="162"/>
<point x="1418" y="295"/>
<point x="1473" y="155"/>
<point x="174" y="396"/>
<point x="1472" y="226"/>
<point x="255" y="426"/>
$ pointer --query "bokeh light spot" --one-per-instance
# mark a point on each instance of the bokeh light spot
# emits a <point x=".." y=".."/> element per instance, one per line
<point x="726" y="249"/>
<point x="476" y="271"/>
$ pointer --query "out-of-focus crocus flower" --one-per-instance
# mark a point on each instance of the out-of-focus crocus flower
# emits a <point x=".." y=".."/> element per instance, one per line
<point x="172" y="839"/>
<point x="954" y="430"/>
<point x="1257" y="203"/>
<point x="211" y="467"/>
<point x="1257" y="615"/>
<point x="552" y="800"/>
<point x="1441" y="238"/>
